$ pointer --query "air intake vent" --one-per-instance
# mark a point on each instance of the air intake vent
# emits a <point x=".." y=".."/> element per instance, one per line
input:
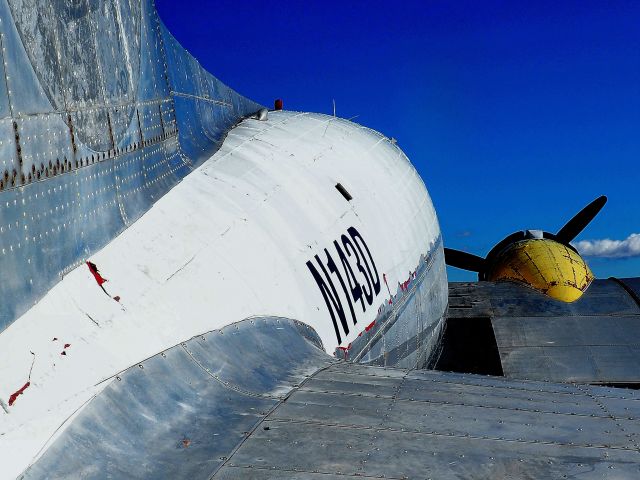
<point x="469" y="346"/>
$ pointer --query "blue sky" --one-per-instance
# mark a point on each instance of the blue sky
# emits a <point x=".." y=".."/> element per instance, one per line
<point x="516" y="114"/>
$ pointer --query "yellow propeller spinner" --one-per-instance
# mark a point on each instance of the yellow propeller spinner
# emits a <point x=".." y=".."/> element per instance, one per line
<point x="541" y="260"/>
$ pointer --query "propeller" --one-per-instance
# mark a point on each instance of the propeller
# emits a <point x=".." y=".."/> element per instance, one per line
<point x="474" y="263"/>
<point x="580" y="220"/>
<point x="464" y="260"/>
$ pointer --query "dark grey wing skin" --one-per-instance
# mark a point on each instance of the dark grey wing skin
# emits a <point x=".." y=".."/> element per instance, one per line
<point x="355" y="421"/>
<point x="593" y="340"/>
<point x="197" y="411"/>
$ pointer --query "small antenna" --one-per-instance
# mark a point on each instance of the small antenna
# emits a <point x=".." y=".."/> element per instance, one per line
<point x="32" y="362"/>
<point x="334" y="107"/>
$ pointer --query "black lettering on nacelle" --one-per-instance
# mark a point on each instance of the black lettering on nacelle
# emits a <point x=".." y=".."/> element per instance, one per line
<point x="355" y="235"/>
<point x="350" y="249"/>
<point x="356" y="289"/>
<point x="330" y="296"/>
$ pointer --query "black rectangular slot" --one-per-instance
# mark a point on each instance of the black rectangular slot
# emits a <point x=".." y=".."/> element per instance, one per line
<point x="344" y="192"/>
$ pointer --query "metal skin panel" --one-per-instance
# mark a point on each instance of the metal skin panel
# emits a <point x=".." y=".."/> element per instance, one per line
<point x="593" y="340"/>
<point x="567" y="331"/>
<point x="602" y="298"/>
<point x="43" y="138"/>
<point x="504" y="299"/>
<point x="5" y="107"/>
<point x="405" y="334"/>
<point x="366" y="433"/>
<point x="578" y="348"/>
<point x="309" y="415"/>
<point x="613" y="364"/>
<point x="86" y="86"/>
<point x="9" y="158"/>
<point x="180" y="413"/>
<point x="25" y="90"/>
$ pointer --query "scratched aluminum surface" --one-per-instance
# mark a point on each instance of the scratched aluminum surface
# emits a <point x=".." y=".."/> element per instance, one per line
<point x="593" y="340"/>
<point x="180" y="413"/>
<point x="409" y="326"/>
<point x="193" y="411"/>
<point x="101" y="113"/>
<point x="354" y="421"/>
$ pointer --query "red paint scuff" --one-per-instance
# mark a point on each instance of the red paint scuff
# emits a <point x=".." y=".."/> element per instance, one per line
<point x="67" y="345"/>
<point x="96" y="274"/>
<point x="384" y="277"/>
<point x="15" y="394"/>
<point x="345" y="350"/>
<point x="370" y="326"/>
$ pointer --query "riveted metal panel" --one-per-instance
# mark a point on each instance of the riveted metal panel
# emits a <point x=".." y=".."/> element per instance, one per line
<point x="89" y="115"/>
<point x="25" y="50"/>
<point x="345" y="419"/>
<point x="563" y="331"/>
<point x="338" y="382"/>
<point x="621" y="405"/>
<point x="116" y="27"/>
<point x="603" y="297"/>
<point x="435" y="377"/>
<point x="382" y="452"/>
<point x="268" y="378"/>
<point x="228" y="473"/>
<point x="410" y="323"/>
<point x="568" y="402"/>
<point x="153" y="80"/>
<point x="5" y="109"/>
<point x="181" y="413"/>
<point x="135" y="416"/>
<point x="43" y="138"/>
<point x="180" y="62"/>
<point x="8" y="152"/>
<point x="574" y="348"/>
<point x="538" y="430"/>
<point x="595" y="339"/>
<point x="150" y="121"/>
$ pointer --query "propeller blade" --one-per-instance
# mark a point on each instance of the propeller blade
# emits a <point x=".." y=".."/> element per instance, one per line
<point x="580" y="220"/>
<point x="464" y="260"/>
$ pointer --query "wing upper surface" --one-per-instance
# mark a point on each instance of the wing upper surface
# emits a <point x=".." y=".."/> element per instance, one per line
<point x="195" y="411"/>
<point x="593" y="340"/>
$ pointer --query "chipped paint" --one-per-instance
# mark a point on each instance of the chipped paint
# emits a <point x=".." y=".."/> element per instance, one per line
<point x="546" y="265"/>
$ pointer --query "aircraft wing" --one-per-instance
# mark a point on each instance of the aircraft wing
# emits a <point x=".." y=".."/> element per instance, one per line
<point x="528" y="335"/>
<point x="194" y="411"/>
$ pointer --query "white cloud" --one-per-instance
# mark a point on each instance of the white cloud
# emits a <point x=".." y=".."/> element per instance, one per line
<point x="607" y="248"/>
